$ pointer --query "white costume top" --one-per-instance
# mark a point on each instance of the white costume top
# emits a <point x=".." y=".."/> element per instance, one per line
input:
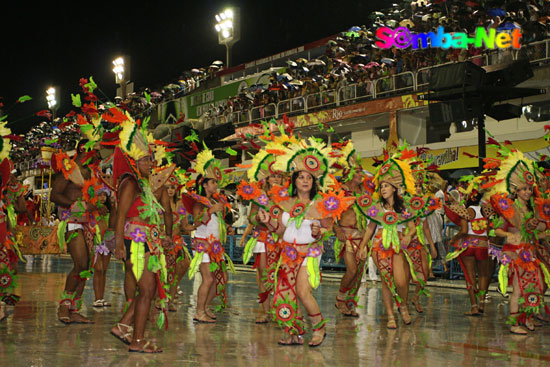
<point x="300" y="235"/>
<point x="212" y="228"/>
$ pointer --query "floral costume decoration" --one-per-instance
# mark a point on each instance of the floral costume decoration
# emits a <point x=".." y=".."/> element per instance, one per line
<point x="212" y="244"/>
<point x="314" y="157"/>
<point x="134" y="144"/>
<point x="518" y="260"/>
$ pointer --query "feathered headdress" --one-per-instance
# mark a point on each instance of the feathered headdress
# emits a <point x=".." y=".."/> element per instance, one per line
<point x="349" y="160"/>
<point x="134" y="138"/>
<point x="263" y="163"/>
<point x="209" y="166"/>
<point x="310" y="155"/>
<point x="397" y="171"/>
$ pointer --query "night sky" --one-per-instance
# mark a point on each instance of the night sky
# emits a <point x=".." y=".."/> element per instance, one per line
<point x="54" y="45"/>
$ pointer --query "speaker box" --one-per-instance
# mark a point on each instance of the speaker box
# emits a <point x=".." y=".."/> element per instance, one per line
<point x="454" y="110"/>
<point x="508" y="74"/>
<point x="456" y="75"/>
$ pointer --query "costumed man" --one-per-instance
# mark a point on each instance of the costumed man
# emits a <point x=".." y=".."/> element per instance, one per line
<point x="520" y="222"/>
<point x="74" y="191"/>
<point x="209" y="209"/>
<point x="138" y="240"/>
<point x="350" y="229"/>
<point x="302" y="217"/>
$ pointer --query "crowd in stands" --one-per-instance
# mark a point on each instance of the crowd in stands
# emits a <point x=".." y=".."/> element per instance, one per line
<point x="353" y="58"/>
<point x="350" y="58"/>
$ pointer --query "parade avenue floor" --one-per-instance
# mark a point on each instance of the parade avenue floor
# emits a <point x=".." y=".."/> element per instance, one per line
<point x="441" y="336"/>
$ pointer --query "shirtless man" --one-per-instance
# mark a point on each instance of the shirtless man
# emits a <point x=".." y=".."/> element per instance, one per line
<point x="161" y="194"/>
<point x="66" y="193"/>
<point x="348" y="232"/>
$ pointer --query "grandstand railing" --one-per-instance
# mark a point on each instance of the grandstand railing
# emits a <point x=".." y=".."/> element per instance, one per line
<point x="406" y="82"/>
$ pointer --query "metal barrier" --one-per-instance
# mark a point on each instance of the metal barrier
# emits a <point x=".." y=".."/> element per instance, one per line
<point x="394" y="84"/>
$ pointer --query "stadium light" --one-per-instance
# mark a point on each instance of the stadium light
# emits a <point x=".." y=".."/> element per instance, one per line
<point x="121" y="70"/>
<point x="228" y="28"/>
<point x="50" y="97"/>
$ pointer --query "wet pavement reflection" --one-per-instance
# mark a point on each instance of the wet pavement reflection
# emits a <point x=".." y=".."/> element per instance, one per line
<point x="441" y="336"/>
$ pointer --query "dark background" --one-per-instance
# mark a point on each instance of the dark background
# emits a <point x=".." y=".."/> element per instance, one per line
<point x="58" y="45"/>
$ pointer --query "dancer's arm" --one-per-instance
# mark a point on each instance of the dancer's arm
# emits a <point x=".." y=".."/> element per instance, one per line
<point x="371" y="227"/>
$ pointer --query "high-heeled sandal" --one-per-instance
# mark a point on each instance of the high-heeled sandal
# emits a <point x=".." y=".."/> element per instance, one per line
<point x="391" y="324"/>
<point x="404" y="311"/>
<point x="321" y="325"/>
<point x="474" y="311"/>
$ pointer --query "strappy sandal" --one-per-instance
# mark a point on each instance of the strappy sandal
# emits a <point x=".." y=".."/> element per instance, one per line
<point x="65" y="319"/>
<point x="339" y="308"/>
<point x="322" y="326"/>
<point x="210" y="314"/>
<point x="98" y="303"/>
<point x="472" y="313"/>
<point x="404" y="311"/>
<point x="124" y="335"/>
<point x="417" y="305"/>
<point x="202" y="320"/>
<point x="391" y="324"/>
<point x="79" y="318"/>
<point x="518" y="330"/>
<point x="263" y="319"/>
<point x="293" y="340"/>
<point x="144" y="349"/>
<point x="106" y="304"/>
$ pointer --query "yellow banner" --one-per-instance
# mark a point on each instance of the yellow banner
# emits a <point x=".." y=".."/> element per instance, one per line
<point x="454" y="158"/>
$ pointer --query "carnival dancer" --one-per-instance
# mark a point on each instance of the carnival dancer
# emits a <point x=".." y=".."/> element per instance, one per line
<point x="209" y="209"/>
<point x="391" y="218"/>
<point x="518" y="222"/>
<point x="422" y="249"/>
<point x="262" y="179"/>
<point x="180" y="226"/>
<point x="302" y="220"/>
<point x="74" y="191"/>
<point x="102" y="255"/>
<point x="471" y="248"/>
<point x="137" y="233"/>
<point x="350" y="229"/>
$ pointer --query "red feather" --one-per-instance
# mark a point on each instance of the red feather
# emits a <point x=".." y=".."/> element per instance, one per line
<point x="470" y="155"/>
<point x="115" y="115"/>
<point x="70" y="114"/>
<point x="492" y="141"/>
<point x="14" y="137"/>
<point x="433" y="167"/>
<point x="507" y="142"/>
<point x="243" y="147"/>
